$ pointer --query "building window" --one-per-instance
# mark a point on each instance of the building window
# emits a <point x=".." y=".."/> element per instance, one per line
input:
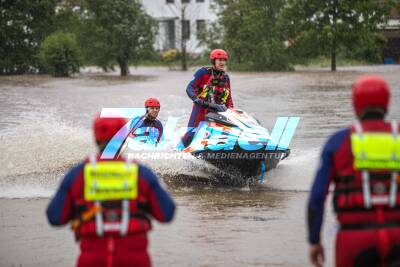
<point x="185" y="1"/>
<point x="199" y="1"/>
<point x="170" y="1"/>
<point x="170" y="32"/>
<point x="186" y="29"/>
<point x="200" y="25"/>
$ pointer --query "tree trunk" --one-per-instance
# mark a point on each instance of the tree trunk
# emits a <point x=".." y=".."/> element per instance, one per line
<point x="184" y="60"/>
<point x="123" y="66"/>
<point x="183" y="41"/>
<point x="334" y="33"/>
<point x="333" y="54"/>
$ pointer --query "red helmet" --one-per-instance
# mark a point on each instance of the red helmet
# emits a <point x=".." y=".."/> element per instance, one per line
<point x="218" y="53"/>
<point x="151" y="102"/>
<point x="105" y="128"/>
<point x="370" y="91"/>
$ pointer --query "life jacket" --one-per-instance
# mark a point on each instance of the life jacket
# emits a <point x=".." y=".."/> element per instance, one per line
<point x="111" y="204"/>
<point x="148" y="131"/>
<point x="216" y="88"/>
<point x="369" y="192"/>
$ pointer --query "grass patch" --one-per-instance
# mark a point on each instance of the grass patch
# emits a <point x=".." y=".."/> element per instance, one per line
<point x="340" y="62"/>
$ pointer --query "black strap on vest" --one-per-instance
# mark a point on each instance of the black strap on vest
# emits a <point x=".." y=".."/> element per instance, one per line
<point x="369" y="226"/>
<point x="344" y="187"/>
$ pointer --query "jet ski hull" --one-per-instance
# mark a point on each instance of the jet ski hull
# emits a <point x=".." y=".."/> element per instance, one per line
<point x="243" y="163"/>
<point x="250" y="156"/>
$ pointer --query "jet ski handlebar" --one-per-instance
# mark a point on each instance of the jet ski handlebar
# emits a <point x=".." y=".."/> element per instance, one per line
<point x="217" y="107"/>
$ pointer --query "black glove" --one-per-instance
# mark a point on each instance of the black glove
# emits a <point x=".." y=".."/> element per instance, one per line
<point x="201" y="102"/>
<point x="220" y="108"/>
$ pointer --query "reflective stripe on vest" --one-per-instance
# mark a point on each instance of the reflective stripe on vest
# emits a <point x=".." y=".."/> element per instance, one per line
<point x="225" y="97"/>
<point x="376" y="151"/>
<point x="204" y="92"/>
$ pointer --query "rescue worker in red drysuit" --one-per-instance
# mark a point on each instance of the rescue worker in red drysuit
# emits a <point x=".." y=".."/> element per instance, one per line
<point x="209" y="85"/>
<point x="148" y="124"/>
<point x="363" y="163"/>
<point x="109" y="204"/>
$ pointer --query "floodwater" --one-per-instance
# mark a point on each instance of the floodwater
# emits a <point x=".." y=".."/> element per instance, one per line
<point x="45" y="128"/>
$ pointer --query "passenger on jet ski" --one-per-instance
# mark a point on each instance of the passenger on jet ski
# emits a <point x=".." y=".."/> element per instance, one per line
<point x="148" y="125"/>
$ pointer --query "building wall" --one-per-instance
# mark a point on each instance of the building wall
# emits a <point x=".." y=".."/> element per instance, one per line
<point x="169" y="15"/>
<point x="391" y="53"/>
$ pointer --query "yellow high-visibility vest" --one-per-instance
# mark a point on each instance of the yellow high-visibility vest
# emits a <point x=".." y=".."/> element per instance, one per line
<point x="376" y="151"/>
<point x="110" y="180"/>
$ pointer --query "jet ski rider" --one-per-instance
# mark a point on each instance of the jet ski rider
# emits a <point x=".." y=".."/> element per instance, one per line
<point x="210" y="85"/>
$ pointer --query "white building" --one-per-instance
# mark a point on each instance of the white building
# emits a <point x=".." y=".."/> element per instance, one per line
<point x="197" y="15"/>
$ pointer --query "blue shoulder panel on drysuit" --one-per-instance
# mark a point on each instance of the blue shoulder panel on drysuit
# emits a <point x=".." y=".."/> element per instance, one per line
<point x="159" y="124"/>
<point x="190" y="88"/>
<point x="320" y="186"/>
<point x="166" y="204"/>
<point x="160" y="128"/>
<point x="56" y="206"/>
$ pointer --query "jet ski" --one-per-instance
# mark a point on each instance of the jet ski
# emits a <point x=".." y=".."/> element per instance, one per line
<point x="236" y="143"/>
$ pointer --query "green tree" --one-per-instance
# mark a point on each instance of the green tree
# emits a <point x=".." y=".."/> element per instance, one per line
<point x="60" y="54"/>
<point x="69" y="16"/>
<point x="23" y="26"/>
<point x="332" y="26"/>
<point x="116" y="31"/>
<point x="252" y="32"/>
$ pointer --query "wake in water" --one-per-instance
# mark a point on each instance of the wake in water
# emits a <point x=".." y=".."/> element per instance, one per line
<point x="292" y="174"/>
<point x="295" y="173"/>
<point x="37" y="151"/>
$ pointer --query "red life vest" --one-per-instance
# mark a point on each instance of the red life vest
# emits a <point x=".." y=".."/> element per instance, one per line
<point x="216" y="88"/>
<point x="367" y="197"/>
<point x="117" y="217"/>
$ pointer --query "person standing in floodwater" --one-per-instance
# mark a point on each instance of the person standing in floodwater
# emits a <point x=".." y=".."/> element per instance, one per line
<point x="363" y="163"/>
<point x="109" y="204"/>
